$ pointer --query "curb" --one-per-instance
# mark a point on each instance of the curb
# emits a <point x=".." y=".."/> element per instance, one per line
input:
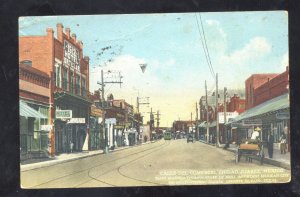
<point x="55" y="162"/>
<point x="266" y="160"/>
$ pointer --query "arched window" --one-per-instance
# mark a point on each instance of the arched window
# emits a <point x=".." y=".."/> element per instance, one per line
<point x="27" y="62"/>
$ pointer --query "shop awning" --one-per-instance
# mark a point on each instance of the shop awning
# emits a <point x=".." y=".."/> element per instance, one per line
<point x="203" y="124"/>
<point x="28" y="111"/>
<point x="273" y="105"/>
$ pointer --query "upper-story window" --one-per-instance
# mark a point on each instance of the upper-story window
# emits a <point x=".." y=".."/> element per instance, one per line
<point x="65" y="79"/>
<point x="71" y="81"/>
<point x="57" y="74"/>
<point x="77" y="86"/>
<point x="83" y="86"/>
<point x="71" y="56"/>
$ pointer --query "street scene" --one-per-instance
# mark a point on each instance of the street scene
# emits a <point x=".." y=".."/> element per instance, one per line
<point x="154" y="99"/>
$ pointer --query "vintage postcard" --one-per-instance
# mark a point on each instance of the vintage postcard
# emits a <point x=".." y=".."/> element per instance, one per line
<point x="154" y="99"/>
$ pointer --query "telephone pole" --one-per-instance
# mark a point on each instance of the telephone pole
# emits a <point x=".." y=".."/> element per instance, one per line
<point x="207" y="123"/>
<point x="225" y="106"/>
<point x="196" y="124"/>
<point x="157" y="119"/>
<point x="217" y="113"/>
<point x="138" y="102"/>
<point x="105" y="104"/>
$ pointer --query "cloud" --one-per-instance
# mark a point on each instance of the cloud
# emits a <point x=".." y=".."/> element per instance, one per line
<point x="216" y="24"/>
<point x="255" y="49"/>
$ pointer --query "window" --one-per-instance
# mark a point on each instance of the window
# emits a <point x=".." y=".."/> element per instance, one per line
<point x="77" y="90"/>
<point x="83" y="87"/>
<point x="71" y="82"/>
<point x="27" y="62"/>
<point x="57" y="75"/>
<point x="65" y="78"/>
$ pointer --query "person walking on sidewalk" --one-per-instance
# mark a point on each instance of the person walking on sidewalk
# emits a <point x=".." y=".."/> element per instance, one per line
<point x="270" y="144"/>
<point x="282" y="143"/>
<point x="71" y="146"/>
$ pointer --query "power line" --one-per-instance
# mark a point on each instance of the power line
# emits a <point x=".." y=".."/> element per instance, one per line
<point x="206" y="46"/>
<point x="206" y="57"/>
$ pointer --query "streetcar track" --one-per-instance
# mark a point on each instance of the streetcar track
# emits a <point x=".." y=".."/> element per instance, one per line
<point x="98" y="180"/>
<point x="135" y="178"/>
<point x="77" y="172"/>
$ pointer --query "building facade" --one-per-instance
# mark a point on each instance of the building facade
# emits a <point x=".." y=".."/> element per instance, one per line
<point x="34" y="94"/>
<point x="253" y="82"/>
<point x="61" y="58"/>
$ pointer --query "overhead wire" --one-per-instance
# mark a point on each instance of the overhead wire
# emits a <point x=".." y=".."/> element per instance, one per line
<point x="206" y="46"/>
<point x="202" y="41"/>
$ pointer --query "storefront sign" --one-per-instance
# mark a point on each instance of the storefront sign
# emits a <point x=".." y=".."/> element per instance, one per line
<point x="119" y="127"/>
<point x="77" y="120"/>
<point x="283" y="116"/>
<point x="95" y="111"/>
<point x="46" y="127"/>
<point x="252" y="122"/>
<point x="62" y="114"/>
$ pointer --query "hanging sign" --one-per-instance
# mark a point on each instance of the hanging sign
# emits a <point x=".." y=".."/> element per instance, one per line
<point x="46" y="127"/>
<point x="77" y="120"/>
<point x="63" y="114"/>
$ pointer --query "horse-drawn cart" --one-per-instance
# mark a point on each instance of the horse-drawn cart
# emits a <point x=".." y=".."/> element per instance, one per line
<point x="250" y="149"/>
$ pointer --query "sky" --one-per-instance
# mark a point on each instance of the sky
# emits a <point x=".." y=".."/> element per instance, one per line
<point x="239" y="45"/>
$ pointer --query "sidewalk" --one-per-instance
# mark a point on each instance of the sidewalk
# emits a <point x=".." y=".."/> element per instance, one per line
<point x="279" y="160"/>
<point x="66" y="157"/>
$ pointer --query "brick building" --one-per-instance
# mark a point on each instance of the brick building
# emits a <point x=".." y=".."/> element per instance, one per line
<point x="62" y="59"/>
<point x="253" y="82"/>
<point x="268" y="107"/>
<point x="272" y="88"/>
<point x="34" y="94"/>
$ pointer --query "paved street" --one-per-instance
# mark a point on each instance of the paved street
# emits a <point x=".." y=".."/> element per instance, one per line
<point x="159" y="163"/>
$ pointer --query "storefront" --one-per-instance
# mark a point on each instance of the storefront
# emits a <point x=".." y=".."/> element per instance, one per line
<point x="272" y="115"/>
<point x="33" y="140"/>
<point x="71" y="122"/>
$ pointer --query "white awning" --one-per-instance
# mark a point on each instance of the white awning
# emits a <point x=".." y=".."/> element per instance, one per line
<point x="28" y="111"/>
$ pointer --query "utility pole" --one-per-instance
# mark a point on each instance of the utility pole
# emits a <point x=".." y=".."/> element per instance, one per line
<point x="225" y="106"/>
<point x="207" y="126"/>
<point x="196" y="124"/>
<point x="138" y="102"/>
<point x="191" y="122"/>
<point x="157" y="119"/>
<point x="217" y="113"/>
<point x="104" y="106"/>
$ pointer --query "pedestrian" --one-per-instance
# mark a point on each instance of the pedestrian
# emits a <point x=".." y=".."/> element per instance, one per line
<point x="282" y="140"/>
<point x="71" y="146"/>
<point x="270" y="144"/>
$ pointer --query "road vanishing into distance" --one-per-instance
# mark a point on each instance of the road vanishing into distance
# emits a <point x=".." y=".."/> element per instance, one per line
<point x="164" y="162"/>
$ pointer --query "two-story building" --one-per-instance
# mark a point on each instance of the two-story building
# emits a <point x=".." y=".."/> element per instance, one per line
<point x="61" y="58"/>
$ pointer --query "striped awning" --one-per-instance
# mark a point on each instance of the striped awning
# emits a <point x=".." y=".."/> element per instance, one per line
<point x="28" y="111"/>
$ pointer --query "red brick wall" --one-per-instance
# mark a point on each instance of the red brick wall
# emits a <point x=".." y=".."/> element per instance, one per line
<point x="271" y="89"/>
<point x="252" y="83"/>
<point x="38" y="49"/>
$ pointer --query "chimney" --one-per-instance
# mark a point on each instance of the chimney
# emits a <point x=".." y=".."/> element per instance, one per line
<point x="86" y="58"/>
<point x="74" y="37"/>
<point x="50" y="31"/>
<point x="68" y="31"/>
<point x="80" y="44"/>
<point x="59" y="32"/>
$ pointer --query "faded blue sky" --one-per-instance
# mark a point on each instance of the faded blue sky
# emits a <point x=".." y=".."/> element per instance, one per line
<point x="239" y="43"/>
